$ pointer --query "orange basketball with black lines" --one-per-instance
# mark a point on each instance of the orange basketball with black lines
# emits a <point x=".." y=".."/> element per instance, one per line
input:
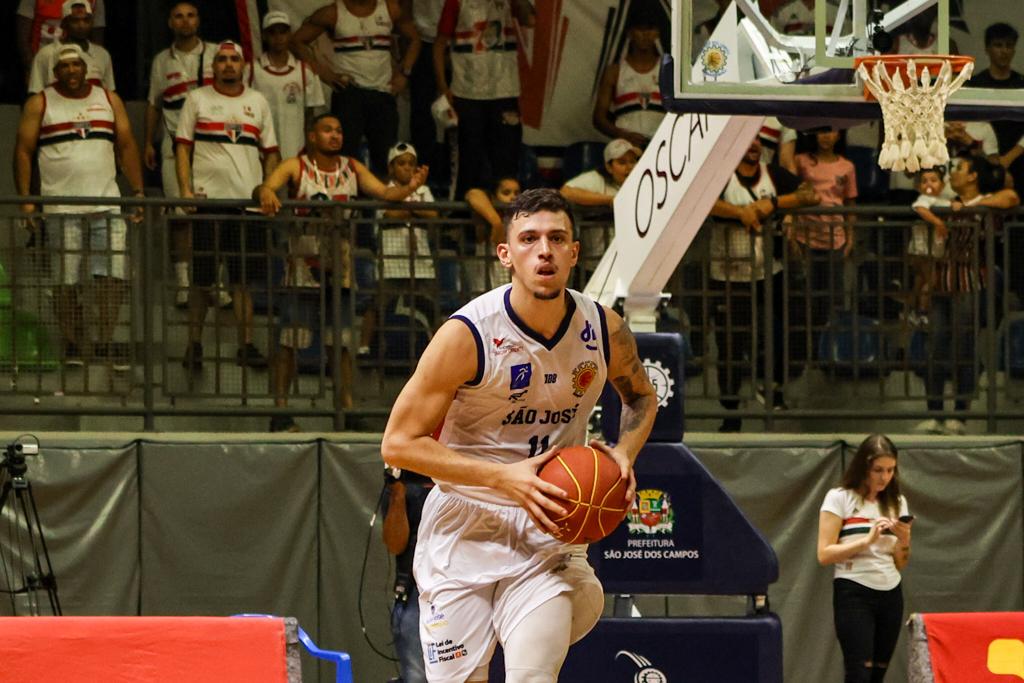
<point x="596" y="502"/>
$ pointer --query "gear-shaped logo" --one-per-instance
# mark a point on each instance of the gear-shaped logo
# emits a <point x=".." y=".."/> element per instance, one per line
<point x="661" y="378"/>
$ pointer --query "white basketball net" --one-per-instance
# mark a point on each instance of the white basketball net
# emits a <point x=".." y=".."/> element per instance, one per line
<point x="915" y="131"/>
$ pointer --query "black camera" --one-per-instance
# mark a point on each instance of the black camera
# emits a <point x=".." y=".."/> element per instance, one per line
<point x="14" y="457"/>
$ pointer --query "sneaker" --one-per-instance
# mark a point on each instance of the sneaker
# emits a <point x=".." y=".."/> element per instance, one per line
<point x="930" y="426"/>
<point x="954" y="427"/>
<point x="72" y="355"/>
<point x="193" y="360"/>
<point x="283" y="423"/>
<point x="778" y="398"/>
<point x="250" y="356"/>
<point x="118" y="354"/>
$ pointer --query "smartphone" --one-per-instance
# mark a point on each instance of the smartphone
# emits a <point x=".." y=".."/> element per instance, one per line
<point x="906" y="519"/>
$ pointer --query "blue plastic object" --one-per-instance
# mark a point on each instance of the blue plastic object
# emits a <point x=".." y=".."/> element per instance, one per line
<point x="852" y="345"/>
<point x="342" y="662"/>
<point x="580" y="157"/>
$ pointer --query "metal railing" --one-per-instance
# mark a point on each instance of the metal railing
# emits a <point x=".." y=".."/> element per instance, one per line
<point x="318" y="273"/>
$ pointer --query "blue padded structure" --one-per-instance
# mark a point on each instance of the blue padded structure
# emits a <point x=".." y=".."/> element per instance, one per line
<point x="664" y="355"/>
<point x="342" y="661"/>
<point x="872" y="181"/>
<point x="852" y="344"/>
<point x="691" y="650"/>
<point x="687" y="535"/>
<point x="1011" y="345"/>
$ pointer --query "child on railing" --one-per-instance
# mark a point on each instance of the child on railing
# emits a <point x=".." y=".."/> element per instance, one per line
<point x="927" y="241"/>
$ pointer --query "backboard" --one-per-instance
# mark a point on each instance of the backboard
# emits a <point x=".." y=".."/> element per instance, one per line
<point x="794" y="58"/>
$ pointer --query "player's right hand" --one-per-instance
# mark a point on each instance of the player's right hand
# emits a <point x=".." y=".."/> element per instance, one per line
<point x="880" y="525"/>
<point x="270" y="203"/>
<point x="519" y="481"/>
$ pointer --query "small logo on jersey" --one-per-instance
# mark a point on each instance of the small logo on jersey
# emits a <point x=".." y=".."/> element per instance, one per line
<point x="233" y="131"/>
<point x="367" y="42"/>
<point x="82" y="128"/>
<point x="661" y="378"/>
<point x="583" y="376"/>
<point x="589" y="337"/>
<point x="247" y="110"/>
<point x="437" y="619"/>
<point x="504" y="345"/>
<point x="518" y="396"/>
<point x="445" y="651"/>
<point x="96" y="107"/>
<point x="651" y="513"/>
<point x="431" y="653"/>
<point x="646" y="672"/>
<point x="550" y="377"/>
<point x="521" y="376"/>
<point x="645" y="100"/>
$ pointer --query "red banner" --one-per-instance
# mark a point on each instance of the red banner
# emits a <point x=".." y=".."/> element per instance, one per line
<point x="976" y="646"/>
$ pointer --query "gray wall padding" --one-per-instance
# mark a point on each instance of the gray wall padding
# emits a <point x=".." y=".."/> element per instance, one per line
<point x="187" y="526"/>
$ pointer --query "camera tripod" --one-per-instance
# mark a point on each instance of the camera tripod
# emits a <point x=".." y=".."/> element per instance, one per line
<point x="25" y="557"/>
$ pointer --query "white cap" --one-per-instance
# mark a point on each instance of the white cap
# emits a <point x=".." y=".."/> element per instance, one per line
<point x="619" y="146"/>
<point x="400" y="149"/>
<point x="68" y="8"/>
<point x="229" y="46"/>
<point x="69" y="51"/>
<point x="276" y="17"/>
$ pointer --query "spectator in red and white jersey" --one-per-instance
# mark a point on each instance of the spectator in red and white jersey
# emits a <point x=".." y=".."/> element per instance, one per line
<point x="80" y="132"/>
<point x="362" y="72"/>
<point x="37" y="23"/>
<point x="292" y="88"/>
<point x="185" y="65"/>
<point x="629" y="99"/>
<point x="225" y="146"/>
<point x="484" y="87"/>
<point x="77" y="24"/>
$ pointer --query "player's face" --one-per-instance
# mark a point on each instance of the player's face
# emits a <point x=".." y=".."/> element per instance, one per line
<point x="227" y="67"/>
<point x="326" y="136"/>
<point x="78" y="24"/>
<point x="540" y="252"/>
<point x="880" y="472"/>
<point x="184" y="21"/>
<point x="1000" y="52"/>
<point x="402" y="167"/>
<point x="931" y="183"/>
<point x="277" y="37"/>
<point x="620" y="168"/>
<point x="70" y="73"/>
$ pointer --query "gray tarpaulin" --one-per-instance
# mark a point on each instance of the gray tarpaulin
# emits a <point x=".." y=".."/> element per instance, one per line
<point x="217" y="524"/>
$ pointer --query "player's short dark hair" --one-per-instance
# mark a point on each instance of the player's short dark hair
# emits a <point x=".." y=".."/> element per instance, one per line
<point x="1000" y="31"/>
<point x="320" y="117"/>
<point x="539" y="199"/>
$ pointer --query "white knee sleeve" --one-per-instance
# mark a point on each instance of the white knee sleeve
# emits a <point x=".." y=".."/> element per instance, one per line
<point x="536" y="648"/>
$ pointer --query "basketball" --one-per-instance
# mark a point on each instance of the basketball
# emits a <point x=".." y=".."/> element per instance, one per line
<point x="596" y="495"/>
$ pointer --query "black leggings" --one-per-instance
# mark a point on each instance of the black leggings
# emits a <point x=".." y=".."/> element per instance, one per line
<point x="868" y="624"/>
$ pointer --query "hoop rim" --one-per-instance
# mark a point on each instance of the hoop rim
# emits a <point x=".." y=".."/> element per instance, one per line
<point x="956" y="62"/>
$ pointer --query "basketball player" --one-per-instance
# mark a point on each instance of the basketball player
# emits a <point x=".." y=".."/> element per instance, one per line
<point x="512" y="376"/>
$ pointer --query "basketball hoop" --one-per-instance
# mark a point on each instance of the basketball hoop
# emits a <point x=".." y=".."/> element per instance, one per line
<point x="913" y="107"/>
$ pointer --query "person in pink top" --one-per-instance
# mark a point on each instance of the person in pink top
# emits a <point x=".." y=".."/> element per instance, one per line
<point x="828" y="238"/>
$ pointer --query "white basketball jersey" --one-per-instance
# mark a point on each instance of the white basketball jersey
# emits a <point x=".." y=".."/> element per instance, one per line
<point x="530" y="393"/>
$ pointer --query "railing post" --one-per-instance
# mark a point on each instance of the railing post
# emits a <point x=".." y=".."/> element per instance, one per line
<point x="336" y="227"/>
<point x="768" y="315"/>
<point x="147" y="240"/>
<point x="991" y="352"/>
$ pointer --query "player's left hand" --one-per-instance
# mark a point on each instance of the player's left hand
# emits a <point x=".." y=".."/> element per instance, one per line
<point x="625" y="467"/>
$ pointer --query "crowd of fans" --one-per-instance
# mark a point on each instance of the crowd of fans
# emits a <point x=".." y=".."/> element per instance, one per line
<point x="299" y="120"/>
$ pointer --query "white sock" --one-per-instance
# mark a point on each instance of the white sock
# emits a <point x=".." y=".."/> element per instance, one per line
<point x="181" y="273"/>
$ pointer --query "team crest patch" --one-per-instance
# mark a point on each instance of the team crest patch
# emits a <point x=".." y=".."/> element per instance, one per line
<point x="233" y="131"/>
<point x="651" y="513"/>
<point x="82" y="128"/>
<point x="520" y="376"/>
<point x="583" y="376"/>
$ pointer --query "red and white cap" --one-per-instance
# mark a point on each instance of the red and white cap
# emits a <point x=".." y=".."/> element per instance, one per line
<point x="68" y="8"/>
<point x="230" y="46"/>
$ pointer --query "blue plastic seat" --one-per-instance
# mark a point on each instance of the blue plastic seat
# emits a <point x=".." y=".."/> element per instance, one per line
<point x="580" y="157"/>
<point x="342" y="662"/>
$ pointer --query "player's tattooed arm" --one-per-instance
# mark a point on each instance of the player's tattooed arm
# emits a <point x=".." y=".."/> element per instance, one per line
<point x="628" y="376"/>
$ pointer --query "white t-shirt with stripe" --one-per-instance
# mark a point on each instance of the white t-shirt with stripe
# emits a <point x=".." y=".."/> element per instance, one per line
<point x="530" y="393"/>
<point x="290" y="90"/>
<point x="229" y="134"/>
<point x="173" y="74"/>
<point x="873" y="567"/>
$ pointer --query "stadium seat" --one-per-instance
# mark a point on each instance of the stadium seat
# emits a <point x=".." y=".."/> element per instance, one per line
<point x="849" y="350"/>
<point x="580" y="157"/>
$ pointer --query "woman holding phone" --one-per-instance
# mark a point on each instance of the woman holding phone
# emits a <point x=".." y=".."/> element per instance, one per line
<point x="864" y="530"/>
